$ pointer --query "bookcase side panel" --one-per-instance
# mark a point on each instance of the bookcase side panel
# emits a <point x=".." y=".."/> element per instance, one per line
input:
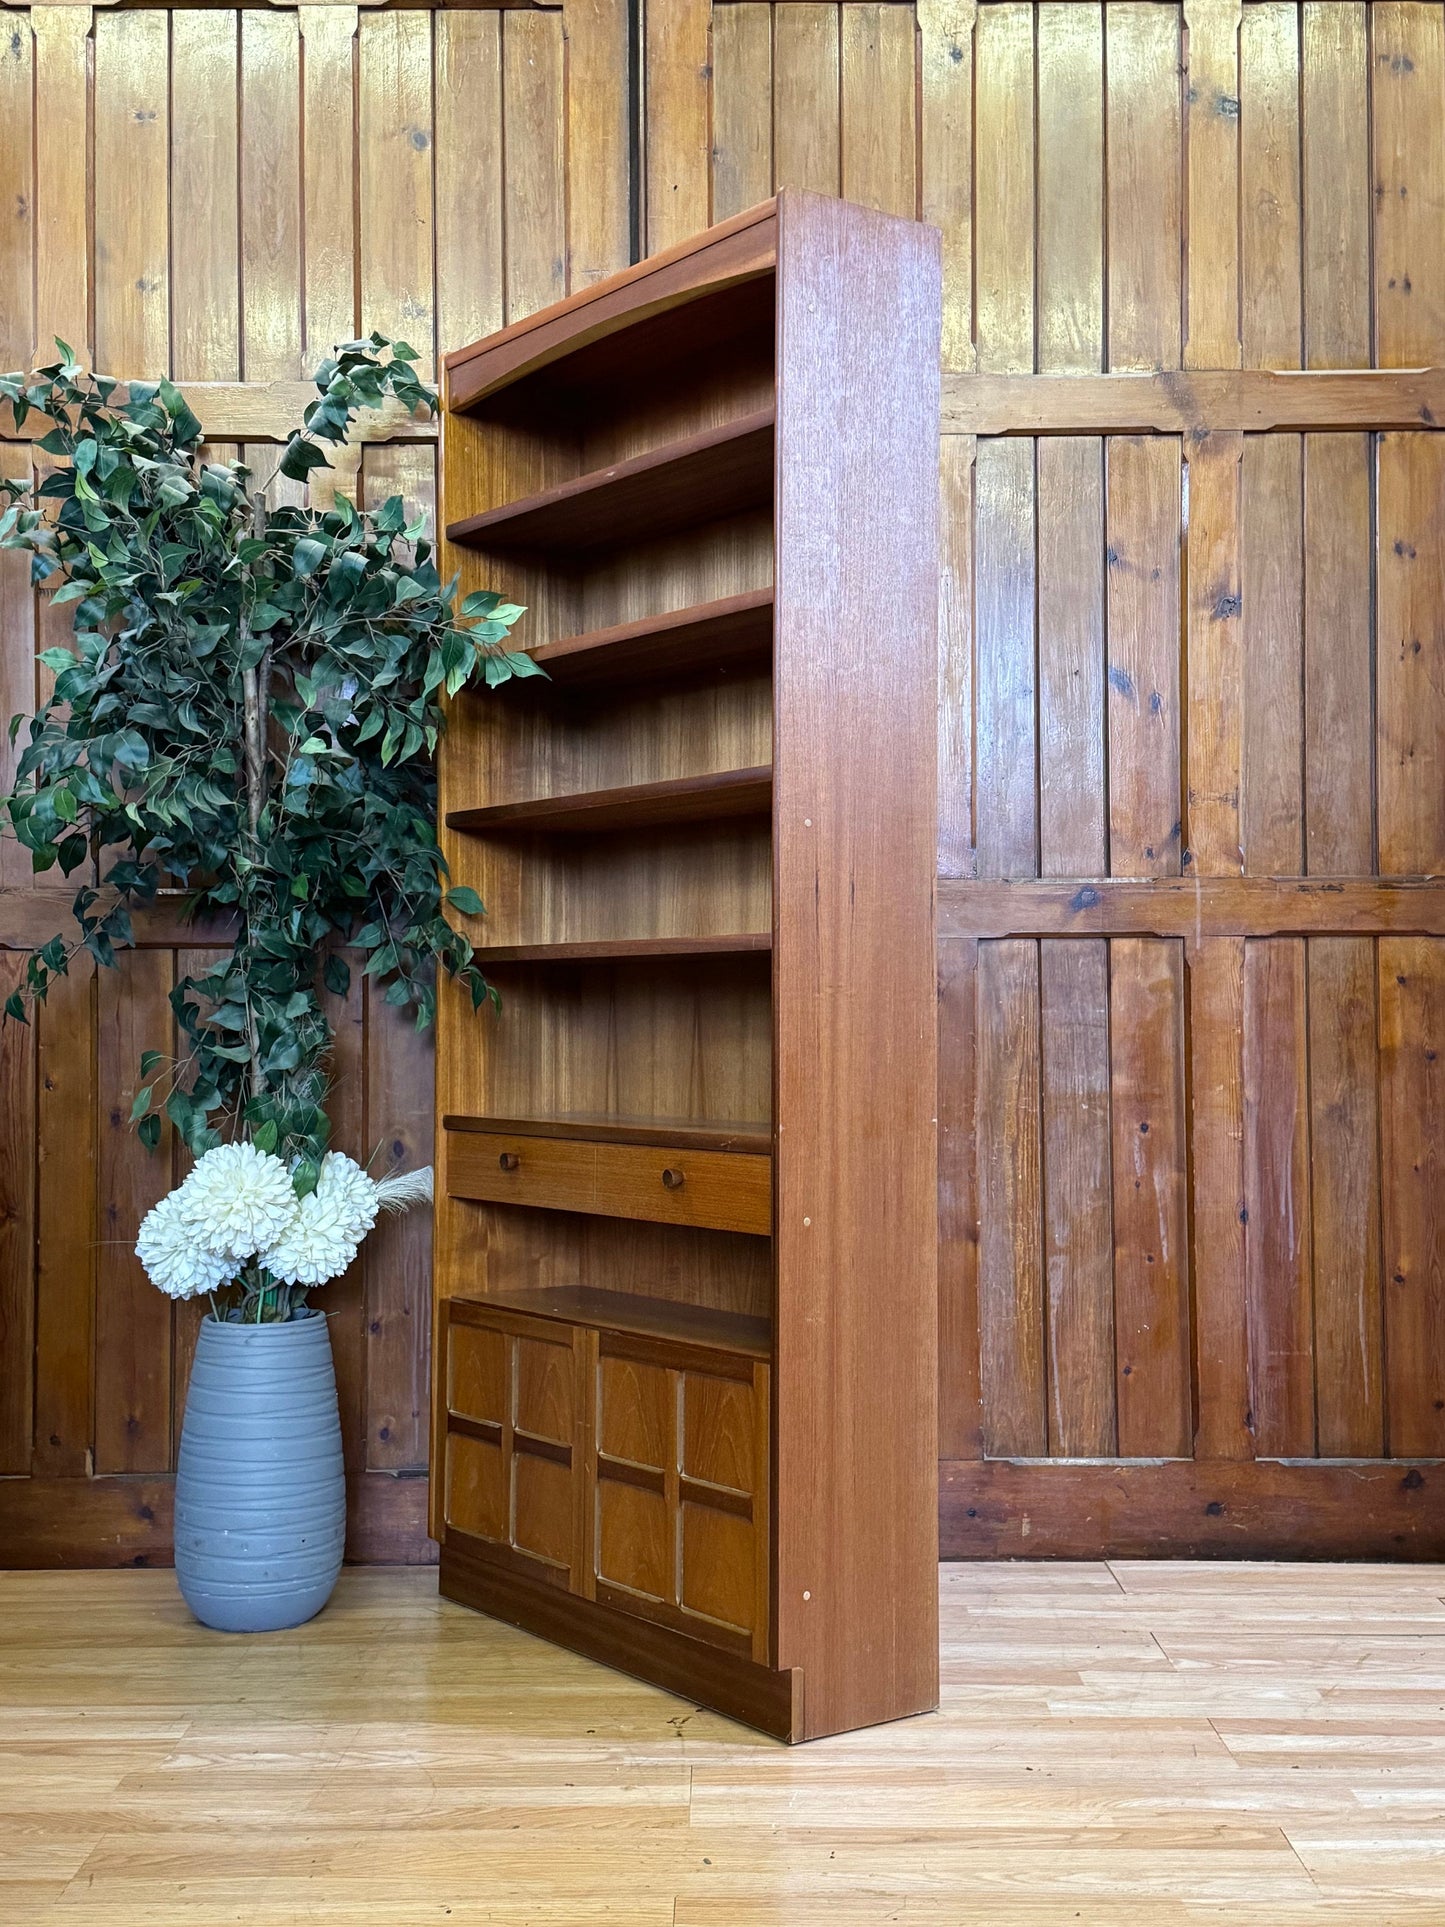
<point x="854" y="1014"/>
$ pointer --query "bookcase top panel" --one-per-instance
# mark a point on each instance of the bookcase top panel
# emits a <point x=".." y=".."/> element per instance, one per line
<point x="733" y="251"/>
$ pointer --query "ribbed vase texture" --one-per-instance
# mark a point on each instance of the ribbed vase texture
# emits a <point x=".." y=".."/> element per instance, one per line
<point x="260" y="1488"/>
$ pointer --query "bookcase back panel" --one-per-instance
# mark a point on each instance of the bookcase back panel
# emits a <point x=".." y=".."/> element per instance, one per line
<point x="507" y="1249"/>
<point x="683" y="371"/>
<point x="725" y="557"/>
<point x="699" y="880"/>
<point x="540" y="743"/>
<point x="689" y="1039"/>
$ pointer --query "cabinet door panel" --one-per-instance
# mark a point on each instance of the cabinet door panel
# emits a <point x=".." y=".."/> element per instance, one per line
<point x="718" y="1574"/>
<point x="477" y="1385"/>
<point x="719" y="1431"/>
<point x="542" y="1491"/>
<point x="546" y="1376"/>
<point x="476" y="1496"/>
<point x="635" y="1415"/>
<point x="634" y="1539"/>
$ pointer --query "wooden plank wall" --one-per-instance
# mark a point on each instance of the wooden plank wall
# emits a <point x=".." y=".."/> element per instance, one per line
<point x="1192" y="642"/>
<point x="222" y="194"/>
<point x="1194" y="1283"/>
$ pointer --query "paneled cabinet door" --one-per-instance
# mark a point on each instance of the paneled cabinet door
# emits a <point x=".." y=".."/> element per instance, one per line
<point x="515" y="1470"/>
<point x="681" y="1527"/>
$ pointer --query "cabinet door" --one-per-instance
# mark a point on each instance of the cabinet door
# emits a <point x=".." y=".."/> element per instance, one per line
<point x="681" y="1523"/>
<point x="515" y="1390"/>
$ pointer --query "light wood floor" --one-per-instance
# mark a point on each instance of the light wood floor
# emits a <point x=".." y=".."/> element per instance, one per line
<point x="1119" y="1746"/>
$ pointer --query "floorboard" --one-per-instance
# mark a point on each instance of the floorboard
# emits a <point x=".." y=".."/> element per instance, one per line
<point x="1124" y="1745"/>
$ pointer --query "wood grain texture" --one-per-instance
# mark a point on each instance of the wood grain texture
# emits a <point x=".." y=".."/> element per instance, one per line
<point x="742" y="139"/>
<point x="806" y="97"/>
<point x="1142" y="520"/>
<point x="1192" y="907"/>
<point x="1070" y="140"/>
<point x="960" y="1400"/>
<point x="132" y="140"/>
<point x="1339" y="650"/>
<point x="1143" y="132"/>
<point x="1214" y="658"/>
<point x="62" y="131"/>
<point x="1006" y="661"/>
<point x="1010" y="1202"/>
<point x="1150" y="1207"/>
<point x="17" y="1240"/>
<point x="1411" y="1017"/>
<point x="956" y="673"/>
<point x="945" y="107"/>
<point x="1407" y="45"/>
<point x="1336" y="182"/>
<point x="1271" y="219"/>
<point x="1072" y="671"/>
<point x="328" y="44"/>
<point x="1409" y="644"/>
<point x="1004" y="187"/>
<point x="17" y="198"/>
<point x="1271" y="577"/>
<point x="859" y="293"/>
<point x="1212" y="104"/>
<point x="1069" y="1775"/>
<point x="1078" y="1226"/>
<point x="878" y="109"/>
<point x="1195" y="402"/>
<point x="676" y="179"/>
<point x="1223" y="1420"/>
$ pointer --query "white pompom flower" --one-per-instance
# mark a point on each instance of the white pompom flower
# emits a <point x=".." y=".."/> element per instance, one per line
<point x="237" y="1201"/>
<point x="174" y="1261"/>
<point x="327" y="1227"/>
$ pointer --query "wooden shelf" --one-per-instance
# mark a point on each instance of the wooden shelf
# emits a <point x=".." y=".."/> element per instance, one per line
<point x="671" y="1133"/>
<point x="625" y="949"/>
<point x="724" y="794"/>
<point x="698" y="478"/>
<point x="733" y="633"/>
<point x="622" y="1311"/>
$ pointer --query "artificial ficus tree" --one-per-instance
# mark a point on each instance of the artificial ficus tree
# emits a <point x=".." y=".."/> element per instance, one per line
<point x="250" y="715"/>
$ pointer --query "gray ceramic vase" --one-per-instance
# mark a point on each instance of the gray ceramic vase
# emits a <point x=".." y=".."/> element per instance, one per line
<point x="260" y="1489"/>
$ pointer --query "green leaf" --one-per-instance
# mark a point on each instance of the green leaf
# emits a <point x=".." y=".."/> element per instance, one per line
<point x="307" y="556"/>
<point x="141" y="1103"/>
<point x="266" y="1137"/>
<point x="150" y="1060"/>
<point x="150" y="1131"/>
<point x="336" y="975"/>
<point x="465" y="899"/>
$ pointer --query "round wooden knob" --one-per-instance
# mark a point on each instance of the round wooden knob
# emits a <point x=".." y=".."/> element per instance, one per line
<point x="509" y="1160"/>
<point x="672" y="1178"/>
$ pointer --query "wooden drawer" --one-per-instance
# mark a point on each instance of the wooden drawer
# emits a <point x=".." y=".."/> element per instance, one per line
<point x="720" y="1190"/>
<point x="716" y="1190"/>
<point x="560" y="1173"/>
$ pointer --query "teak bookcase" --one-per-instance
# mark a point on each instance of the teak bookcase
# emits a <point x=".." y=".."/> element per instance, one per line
<point x="685" y="1266"/>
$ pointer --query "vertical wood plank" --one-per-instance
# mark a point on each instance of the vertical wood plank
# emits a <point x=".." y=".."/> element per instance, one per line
<point x="1151" y="1257"/>
<point x="1071" y="186"/>
<point x="742" y="107"/>
<point x="399" y="1094"/>
<point x="879" y="130"/>
<point x="1407" y="83"/>
<point x="328" y="48"/>
<point x="1142" y="574"/>
<point x="1277" y="1199"/>
<point x="187" y="1315"/>
<point x="1269" y="165"/>
<point x="1339" y="646"/>
<point x="678" y="132"/>
<point x="17" y="663"/>
<point x="1006" y="721"/>
<point x="62" y="151"/>
<point x="395" y="119"/>
<point x="1336" y="179"/>
<point x="1212" y="97"/>
<point x="960" y="1410"/>
<point x="806" y="145"/>
<point x="65" y="1228"/>
<point x="1142" y="55"/>
<point x="1223" y="1424"/>
<point x="1272" y="623"/>
<point x="1410" y="654"/>
<point x="1215" y="656"/>
<point x="1073" y="837"/>
<point x="132" y="202"/>
<point x="1010" y="1202"/>
<point x="1345" y="1165"/>
<point x="598" y="140"/>
<point x="17" y="191"/>
<point x="1078" y="1218"/>
<point x="955" y="656"/>
<point x="17" y="1230"/>
<point x="344" y="1299"/>
<point x="132" y="1318"/>
<point x="469" y="267"/>
<point x="1004" y="188"/>
<point x="945" y="49"/>
<point x="271" y="196"/>
<point x="1412" y="1132"/>
<point x="204" y="261"/>
<point x="534" y="176"/>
